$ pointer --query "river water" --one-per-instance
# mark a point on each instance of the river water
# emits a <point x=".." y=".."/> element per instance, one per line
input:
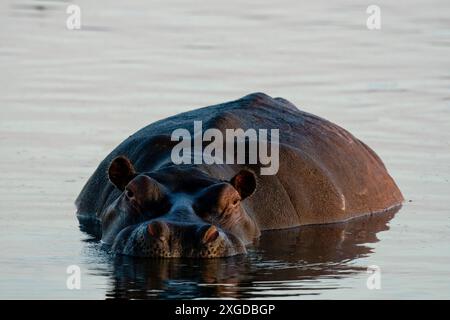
<point x="68" y="97"/>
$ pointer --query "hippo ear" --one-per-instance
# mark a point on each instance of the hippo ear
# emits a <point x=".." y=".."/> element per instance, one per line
<point x="120" y="172"/>
<point x="244" y="182"/>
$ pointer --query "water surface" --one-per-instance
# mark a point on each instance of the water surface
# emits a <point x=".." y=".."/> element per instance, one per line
<point x="69" y="97"/>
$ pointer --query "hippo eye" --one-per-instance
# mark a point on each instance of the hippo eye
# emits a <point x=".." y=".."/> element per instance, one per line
<point x="129" y="193"/>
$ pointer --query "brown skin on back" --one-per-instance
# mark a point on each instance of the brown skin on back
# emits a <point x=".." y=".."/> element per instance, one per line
<point x="325" y="175"/>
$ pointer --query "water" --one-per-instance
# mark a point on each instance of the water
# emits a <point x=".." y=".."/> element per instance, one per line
<point x="69" y="97"/>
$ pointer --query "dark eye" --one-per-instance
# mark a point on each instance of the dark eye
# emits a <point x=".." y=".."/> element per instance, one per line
<point x="129" y="194"/>
<point x="235" y="202"/>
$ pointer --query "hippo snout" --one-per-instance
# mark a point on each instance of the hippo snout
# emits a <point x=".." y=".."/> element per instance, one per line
<point x="164" y="239"/>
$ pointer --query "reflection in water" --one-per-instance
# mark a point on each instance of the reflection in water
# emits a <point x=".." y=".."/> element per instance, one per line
<point x="288" y="261"/>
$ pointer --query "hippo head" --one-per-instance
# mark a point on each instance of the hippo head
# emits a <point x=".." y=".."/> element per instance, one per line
<point x="177" y="211"/>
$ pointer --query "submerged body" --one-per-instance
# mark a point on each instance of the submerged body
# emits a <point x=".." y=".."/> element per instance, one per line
<point x="148" y="206"/>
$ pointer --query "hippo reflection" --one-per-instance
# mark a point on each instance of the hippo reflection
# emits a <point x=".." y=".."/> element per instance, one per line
<point x="146" y="206"/>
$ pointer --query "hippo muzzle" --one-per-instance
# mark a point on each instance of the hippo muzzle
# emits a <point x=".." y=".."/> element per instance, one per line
<point x="161" y="239"/>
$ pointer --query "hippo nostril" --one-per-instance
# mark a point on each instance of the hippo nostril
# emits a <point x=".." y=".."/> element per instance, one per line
<point x="158" y="230"/>
<point x="210" y="234"/>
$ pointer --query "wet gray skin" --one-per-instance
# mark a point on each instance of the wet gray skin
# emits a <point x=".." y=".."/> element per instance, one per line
<point x="177" y="212"/>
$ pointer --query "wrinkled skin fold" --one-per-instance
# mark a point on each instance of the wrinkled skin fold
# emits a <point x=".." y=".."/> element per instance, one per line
<point x="146" y="206"/>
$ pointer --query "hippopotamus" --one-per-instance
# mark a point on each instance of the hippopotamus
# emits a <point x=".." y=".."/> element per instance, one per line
<point x="146" y="205"/>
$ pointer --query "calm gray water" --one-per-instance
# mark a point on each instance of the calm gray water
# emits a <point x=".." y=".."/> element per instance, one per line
<point x="69" y="97"/>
